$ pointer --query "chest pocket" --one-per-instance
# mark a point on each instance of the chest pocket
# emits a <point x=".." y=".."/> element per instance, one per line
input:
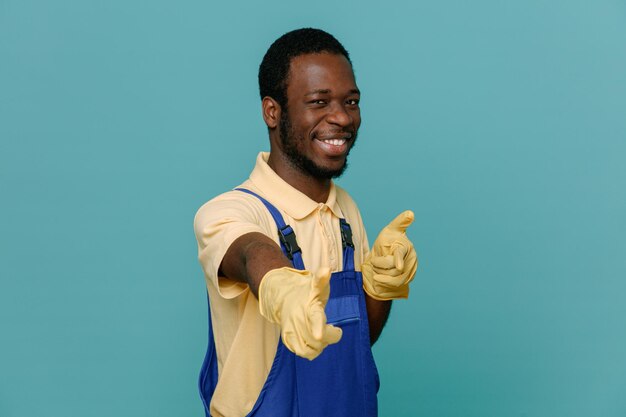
<point x="343" y="310"/>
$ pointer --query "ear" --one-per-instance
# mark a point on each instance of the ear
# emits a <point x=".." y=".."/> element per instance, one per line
<point x="271" y="112"/>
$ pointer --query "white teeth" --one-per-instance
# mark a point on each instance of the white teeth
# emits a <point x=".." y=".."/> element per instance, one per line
<point x="336" y="142"/>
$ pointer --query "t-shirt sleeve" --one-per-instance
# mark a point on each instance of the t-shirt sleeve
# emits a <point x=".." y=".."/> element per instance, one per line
<point x="217" y="225"/>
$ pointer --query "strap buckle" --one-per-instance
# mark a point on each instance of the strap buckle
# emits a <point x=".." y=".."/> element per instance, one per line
<point x="346" y="234"/>
<point x="288" y="240"/>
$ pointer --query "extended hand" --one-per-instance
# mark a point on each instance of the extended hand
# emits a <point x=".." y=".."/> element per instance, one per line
<point x="295" y="300"/>
<point x="391" y="265"/>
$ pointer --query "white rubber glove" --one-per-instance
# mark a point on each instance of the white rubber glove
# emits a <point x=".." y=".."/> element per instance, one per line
<point x="295" y="300"/>
<point x="391" y="265"/>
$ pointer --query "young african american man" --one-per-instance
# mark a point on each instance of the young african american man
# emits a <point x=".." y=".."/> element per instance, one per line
<point x="296" y="296"/>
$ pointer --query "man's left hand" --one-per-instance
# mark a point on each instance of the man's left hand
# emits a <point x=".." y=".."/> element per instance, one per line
<point x="391" y="265"/>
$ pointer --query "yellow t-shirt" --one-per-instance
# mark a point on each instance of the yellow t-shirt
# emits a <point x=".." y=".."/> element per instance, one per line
<point x="245" y="341"/>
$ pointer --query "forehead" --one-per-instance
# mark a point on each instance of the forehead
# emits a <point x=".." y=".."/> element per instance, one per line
<point x="320" y="71"/>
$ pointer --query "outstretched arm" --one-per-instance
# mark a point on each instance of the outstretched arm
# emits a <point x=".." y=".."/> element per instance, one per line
<point x="250" y="257"/>
<point x="293" y="299"/>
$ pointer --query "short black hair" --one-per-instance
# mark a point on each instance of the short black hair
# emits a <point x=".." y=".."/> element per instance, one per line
<point x="274" y="68"/>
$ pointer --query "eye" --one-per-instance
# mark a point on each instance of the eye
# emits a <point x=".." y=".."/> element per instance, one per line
<point x="353" y="102"/>
<point x="319" y="101"/>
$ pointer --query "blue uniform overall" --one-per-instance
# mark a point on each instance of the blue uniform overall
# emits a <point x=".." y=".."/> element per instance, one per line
<point x="342" y="381"/>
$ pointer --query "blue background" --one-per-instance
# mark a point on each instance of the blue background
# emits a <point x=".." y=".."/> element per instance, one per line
<point x="502" y="124"/>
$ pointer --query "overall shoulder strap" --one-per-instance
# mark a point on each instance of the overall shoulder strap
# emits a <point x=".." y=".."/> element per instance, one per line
<point x="348" y="245"/>
<point x="286" y="235"/>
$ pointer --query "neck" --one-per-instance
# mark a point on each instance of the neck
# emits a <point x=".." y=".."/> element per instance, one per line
<point x="317" y="189"/>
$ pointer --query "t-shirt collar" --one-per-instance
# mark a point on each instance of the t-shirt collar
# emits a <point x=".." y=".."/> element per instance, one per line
<point x="278" y="192"/>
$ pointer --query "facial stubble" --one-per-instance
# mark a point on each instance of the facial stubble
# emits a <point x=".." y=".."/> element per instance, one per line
<point x="300" y="161"/>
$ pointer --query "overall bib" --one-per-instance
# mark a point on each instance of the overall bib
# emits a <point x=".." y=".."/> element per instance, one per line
<point x="342" y="381"/>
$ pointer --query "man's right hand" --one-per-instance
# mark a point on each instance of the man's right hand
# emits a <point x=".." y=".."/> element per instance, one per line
<point x="295" y="300"/>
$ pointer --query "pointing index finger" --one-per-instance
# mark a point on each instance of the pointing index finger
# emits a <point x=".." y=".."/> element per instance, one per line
<point x="321" y="279"/>
<point x="317" y="322"/>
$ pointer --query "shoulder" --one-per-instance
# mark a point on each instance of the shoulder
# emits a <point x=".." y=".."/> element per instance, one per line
<point x="349" y="207"/>
<point x="343" y="197"/>
<point x="346" y="202"/>
<point x="230" y="206"/>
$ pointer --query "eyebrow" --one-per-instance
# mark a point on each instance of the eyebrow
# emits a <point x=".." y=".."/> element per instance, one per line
<point x="327" y="91"/>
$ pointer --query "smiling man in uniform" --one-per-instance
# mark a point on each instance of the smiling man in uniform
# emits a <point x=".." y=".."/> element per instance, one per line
<point x="296" y="296"/>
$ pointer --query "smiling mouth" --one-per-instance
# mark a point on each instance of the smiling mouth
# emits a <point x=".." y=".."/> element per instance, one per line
<point x="335" y="138"/>
<point x="334" y="146"/>
<point x="335" y="142"/>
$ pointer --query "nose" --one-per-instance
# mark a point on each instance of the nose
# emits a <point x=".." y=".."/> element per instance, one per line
<point x="339" y="116"/>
